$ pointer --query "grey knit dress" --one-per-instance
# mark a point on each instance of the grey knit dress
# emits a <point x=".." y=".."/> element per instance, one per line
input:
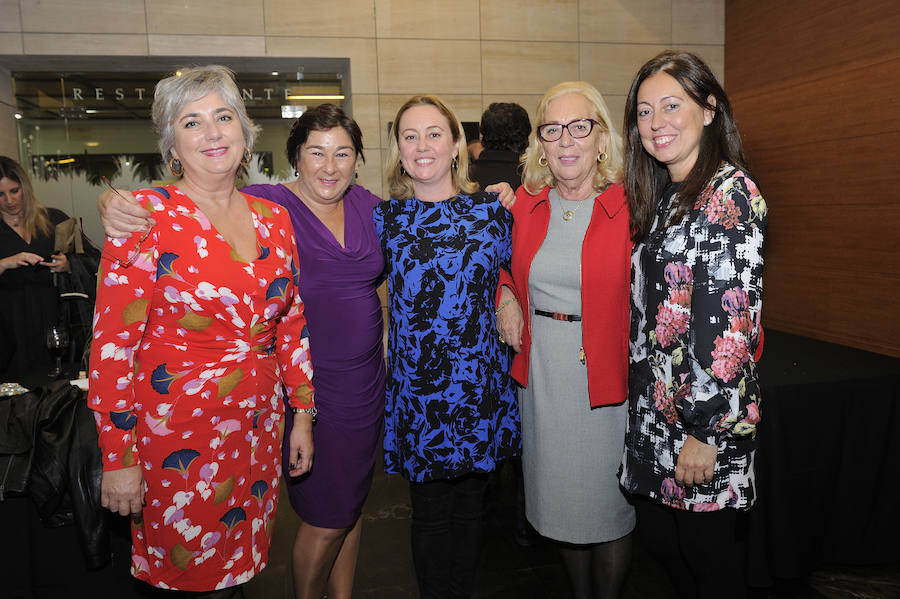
<point x="570" y="452"/>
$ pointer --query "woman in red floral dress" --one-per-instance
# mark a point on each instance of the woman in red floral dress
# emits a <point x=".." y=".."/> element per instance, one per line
<point x="198" y="327"/>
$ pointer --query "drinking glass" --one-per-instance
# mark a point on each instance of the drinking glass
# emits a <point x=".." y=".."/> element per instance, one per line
<point x="57" y="343"/>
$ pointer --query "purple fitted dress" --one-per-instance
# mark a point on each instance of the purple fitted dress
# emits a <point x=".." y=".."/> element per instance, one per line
<point x="343" y="312"/>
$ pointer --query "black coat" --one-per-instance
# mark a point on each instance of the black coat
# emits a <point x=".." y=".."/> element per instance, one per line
<point x="49" y="452"/>
<point x="496" y="166"/>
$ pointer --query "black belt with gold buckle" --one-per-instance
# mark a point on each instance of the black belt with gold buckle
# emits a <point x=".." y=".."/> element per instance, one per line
<point x="558" y="315"/>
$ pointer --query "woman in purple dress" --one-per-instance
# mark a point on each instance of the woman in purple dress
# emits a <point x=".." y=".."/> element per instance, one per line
<point x="341" y="261"/>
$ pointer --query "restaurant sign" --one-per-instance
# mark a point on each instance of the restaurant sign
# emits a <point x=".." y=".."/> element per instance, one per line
<point x="112" y="96"/>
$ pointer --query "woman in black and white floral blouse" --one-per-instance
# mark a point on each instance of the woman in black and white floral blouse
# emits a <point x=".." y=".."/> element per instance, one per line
<point x="699" y="230"/>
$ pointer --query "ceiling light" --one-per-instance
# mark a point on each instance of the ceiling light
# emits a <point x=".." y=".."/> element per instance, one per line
<point x="335" y="97"/>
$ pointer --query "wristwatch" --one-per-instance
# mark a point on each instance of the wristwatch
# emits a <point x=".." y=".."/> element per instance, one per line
<point x="311" y="411"/>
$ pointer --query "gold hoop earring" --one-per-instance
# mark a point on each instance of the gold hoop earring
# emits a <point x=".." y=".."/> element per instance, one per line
<point x="602" y="157"/>
<point x="542" y="160"/>
<point x="246" y="157"/>
<point x="175" y="166"/>
<point x="454" y="164"/>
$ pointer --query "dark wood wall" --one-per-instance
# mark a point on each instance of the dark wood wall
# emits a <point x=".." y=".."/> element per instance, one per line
<point x="816" y="91"/>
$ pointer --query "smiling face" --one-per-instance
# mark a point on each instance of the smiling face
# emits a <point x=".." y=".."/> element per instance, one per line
<point x="427" y="149"/>
<point x="573" y="162"/>
<point x="670" y="123"/>
<point x="208" y="137"/>
<point x="11" y="198"/>
<point x="326" y="162"/>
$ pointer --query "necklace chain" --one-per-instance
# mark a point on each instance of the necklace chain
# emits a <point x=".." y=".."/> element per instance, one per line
<point x="569" y="213"/>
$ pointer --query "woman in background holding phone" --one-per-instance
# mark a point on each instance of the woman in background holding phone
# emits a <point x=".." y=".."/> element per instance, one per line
<point x="27" y="261"/>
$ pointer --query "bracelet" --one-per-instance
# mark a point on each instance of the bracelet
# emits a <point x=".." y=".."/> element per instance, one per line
<point x="311" y="411"/>
<point x="503" y="305"/>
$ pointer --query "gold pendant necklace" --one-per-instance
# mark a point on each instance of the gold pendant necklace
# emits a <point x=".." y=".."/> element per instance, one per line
<point x="567" y="213"/>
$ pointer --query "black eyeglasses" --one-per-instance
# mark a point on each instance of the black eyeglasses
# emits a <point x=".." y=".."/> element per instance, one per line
<point x="577" y="129"/>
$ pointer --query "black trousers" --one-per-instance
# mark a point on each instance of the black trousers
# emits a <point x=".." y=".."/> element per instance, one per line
<point x="446" y="534"/>
<point x="702" y="552"/>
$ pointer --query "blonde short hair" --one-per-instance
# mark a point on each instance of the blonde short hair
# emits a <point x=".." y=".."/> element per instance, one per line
<point x="535" y="176"/>
<point x="173" y="93"/>
<point x="400" y="184"/>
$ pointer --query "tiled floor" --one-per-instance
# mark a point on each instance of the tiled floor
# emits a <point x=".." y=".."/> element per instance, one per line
<point x="508" y="571"/>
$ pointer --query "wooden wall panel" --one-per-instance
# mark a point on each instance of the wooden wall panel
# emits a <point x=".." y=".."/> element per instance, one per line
<point x="832" y="306"/>
<point x="848" y="101"/>
<point x="823" y="173"/>
<point x="771" y="39"/>
<point x="814" y="87"/>
<point x="805" y="237"/>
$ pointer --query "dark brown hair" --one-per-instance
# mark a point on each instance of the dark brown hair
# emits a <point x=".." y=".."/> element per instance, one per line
<point x="322" y="118"/>
<point x="645" y="178"/>
<point x="505" y="126"/>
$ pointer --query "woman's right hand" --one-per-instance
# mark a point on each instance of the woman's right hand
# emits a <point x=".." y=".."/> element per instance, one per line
<point x="510" y="319"/>
<point x="123" y="490"/>
<point x="300" y="454"/>
<point x="19" y="260"/>
<point x="121" y="214"/>
<point x="505" y="193"/>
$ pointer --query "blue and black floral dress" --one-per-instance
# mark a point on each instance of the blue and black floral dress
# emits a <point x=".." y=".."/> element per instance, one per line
<point x="450" y="407"/>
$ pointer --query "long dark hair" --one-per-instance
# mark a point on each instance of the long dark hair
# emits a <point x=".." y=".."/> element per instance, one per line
<point x="645" y="178"/>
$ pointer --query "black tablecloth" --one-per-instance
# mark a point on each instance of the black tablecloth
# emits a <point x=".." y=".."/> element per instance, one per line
<point x="828" y="464"/>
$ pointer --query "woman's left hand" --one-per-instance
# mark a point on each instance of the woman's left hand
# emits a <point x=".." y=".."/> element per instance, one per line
<point x="57" y="263"/>
<point x="510" y="320"/>
<point x="507" y="195"/>
<point x="696" y="463"/>
<point x="301" y="444"/>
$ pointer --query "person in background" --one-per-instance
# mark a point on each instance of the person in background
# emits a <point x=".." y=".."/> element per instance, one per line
<point x="198" y="334"/>
<point x="504" y="136"/>
<point x="28" y="264"/>
<point x="450" y="410"/>
<point x="570" y="277"/>
<point x="699" y="227"/>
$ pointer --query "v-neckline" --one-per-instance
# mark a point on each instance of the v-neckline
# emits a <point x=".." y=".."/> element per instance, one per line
<point x="254" y="218"/>
<point x="17" y="234"/>
<point x="330" y="235"/>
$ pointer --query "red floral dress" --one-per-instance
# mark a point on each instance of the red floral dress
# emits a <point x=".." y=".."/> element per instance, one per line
<point x="191" y="347"/>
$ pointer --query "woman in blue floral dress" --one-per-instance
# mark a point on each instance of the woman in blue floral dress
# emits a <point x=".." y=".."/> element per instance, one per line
<point x="450" y="408"/>
<point x="700" y="225"/>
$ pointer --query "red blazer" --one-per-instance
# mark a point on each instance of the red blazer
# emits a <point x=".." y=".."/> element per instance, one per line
<point x="605" y="284"/>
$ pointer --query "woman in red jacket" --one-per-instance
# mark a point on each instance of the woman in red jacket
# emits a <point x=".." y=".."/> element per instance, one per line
<point x="570" y="278"/>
